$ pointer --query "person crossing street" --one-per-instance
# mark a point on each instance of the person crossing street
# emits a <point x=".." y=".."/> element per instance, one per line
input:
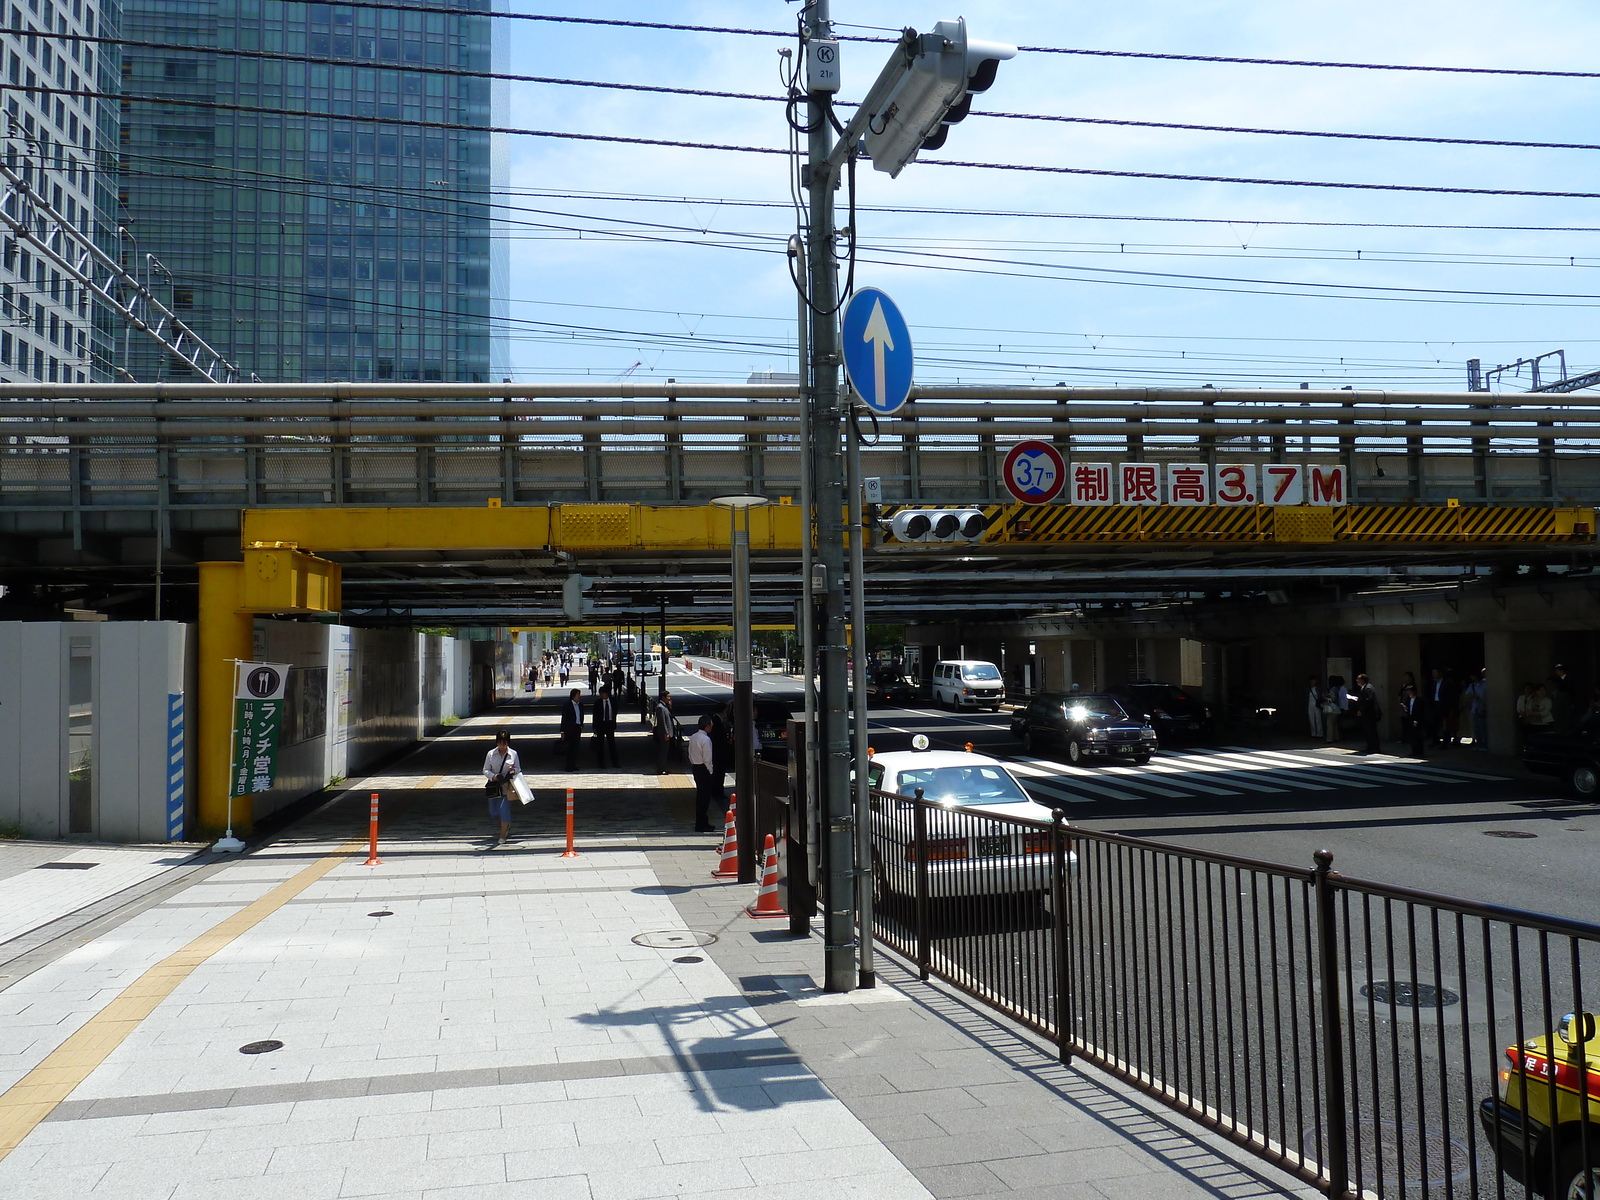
<point x="603" y="720"/>
<point x="572" y="727"/>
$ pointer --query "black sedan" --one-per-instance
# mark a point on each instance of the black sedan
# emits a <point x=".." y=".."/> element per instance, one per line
<point x="1175" y="713"/>
<point x="1574" y="757"/>
<point x="772" y="727"/>
<point x="894" y="689"/>
<point x="1087" y="727"/>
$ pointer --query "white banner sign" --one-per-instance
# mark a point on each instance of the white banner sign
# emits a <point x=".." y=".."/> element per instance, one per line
<point x="1231" y="485"/>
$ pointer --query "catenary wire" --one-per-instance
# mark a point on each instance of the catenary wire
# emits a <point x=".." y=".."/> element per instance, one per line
<point x="567" y="135"/>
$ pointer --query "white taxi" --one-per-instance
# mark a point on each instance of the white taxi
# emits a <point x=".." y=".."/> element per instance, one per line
<point x="967" y="855"/>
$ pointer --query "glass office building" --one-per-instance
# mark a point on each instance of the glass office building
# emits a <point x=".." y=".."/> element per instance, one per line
<point x="304" y="246"/>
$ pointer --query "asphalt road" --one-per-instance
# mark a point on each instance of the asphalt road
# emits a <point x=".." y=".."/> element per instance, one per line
<point x="1438" y="826"/>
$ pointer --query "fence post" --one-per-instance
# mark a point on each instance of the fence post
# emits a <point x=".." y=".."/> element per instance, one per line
<point x="1334" y="1100"/>
<point x="919" y="842"/>
<point x="1058" y="908"/>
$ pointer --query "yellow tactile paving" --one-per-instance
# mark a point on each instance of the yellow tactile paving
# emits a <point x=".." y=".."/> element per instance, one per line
<point x="30" y="1099"/>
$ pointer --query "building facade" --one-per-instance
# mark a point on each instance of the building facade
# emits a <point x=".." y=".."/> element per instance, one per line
<point x="60" y="136"/>
<point x="320" y="223"/>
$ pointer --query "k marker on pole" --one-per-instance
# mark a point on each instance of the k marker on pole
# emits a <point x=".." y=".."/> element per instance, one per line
<point x="372" y="836"/>
<point x="569" y="852"/>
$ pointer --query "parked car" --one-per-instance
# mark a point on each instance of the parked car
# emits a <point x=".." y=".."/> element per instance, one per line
<point x="1536" y="1123"/>
<point x="966" y="857"/>
<point x="1574" y="756"/>
<point x="968" y="683"/>
<point x="1175" y="713"/>
<point x="772" y="727"/>
<point x="1086" y="727"/>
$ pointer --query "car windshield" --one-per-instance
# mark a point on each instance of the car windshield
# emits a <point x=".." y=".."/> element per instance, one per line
<point x="1080" y="707"/>
<point x="980" y="671"/>
<point x="977" y="783"/>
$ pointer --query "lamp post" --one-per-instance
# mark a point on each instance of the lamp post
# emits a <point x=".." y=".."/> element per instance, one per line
<point x="744" y="712"/>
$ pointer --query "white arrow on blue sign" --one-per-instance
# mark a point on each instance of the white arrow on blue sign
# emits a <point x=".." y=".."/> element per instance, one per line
<point x="877" y="350"/>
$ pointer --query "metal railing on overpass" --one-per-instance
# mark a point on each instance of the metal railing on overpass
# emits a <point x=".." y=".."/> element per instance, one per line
<point x="383" y="443"/>
<point x="1350" y="1032"/>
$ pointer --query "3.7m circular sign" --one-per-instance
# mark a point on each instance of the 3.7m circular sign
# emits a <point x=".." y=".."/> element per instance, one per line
<point x="1035" y="472"/>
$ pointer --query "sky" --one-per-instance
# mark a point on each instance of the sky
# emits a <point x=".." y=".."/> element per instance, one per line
<point x="1069" y="278"/>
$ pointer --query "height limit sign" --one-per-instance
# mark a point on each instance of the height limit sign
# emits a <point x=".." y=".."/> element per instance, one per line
<point x="1035" y="472"/>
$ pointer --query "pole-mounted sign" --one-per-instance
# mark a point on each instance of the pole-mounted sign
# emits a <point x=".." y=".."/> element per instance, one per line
<point x="258" y="698"/>
<point x="877" y="351"/>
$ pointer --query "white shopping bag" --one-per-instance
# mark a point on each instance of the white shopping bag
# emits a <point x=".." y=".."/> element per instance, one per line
<point x="520" y="789"/>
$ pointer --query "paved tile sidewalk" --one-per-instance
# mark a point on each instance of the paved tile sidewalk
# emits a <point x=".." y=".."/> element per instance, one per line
<point x="500" y="1034"/>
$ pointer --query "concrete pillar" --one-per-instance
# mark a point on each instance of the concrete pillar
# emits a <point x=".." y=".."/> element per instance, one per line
<point x="1405" y="654"/>
<point x="226" y="636"/>
<point x="1499" y="659"/>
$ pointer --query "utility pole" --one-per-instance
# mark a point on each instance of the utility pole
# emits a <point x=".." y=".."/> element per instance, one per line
<point x="833" y="790"/>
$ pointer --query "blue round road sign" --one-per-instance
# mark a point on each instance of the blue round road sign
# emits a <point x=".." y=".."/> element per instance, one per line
<point x="877" y="350"/>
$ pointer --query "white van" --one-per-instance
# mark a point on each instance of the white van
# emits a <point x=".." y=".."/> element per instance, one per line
<point x="968" y="683"/>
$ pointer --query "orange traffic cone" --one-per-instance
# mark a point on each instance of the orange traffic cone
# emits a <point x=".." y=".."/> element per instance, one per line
<point x="766" y="904"/>
<point x="728" y="868"/>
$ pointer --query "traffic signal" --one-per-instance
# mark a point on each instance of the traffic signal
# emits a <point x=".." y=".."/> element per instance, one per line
<point x="938" y="525"/>
<point x="940" y="73"/>
<point x="572" y="602"/>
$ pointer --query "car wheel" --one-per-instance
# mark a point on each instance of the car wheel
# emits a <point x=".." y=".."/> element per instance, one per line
<point x="1574" y="1180"/>
<point x="1583" y="779"/>
<point x="1027" y="741"/>
<point x="1074" y="751"/>
<point x="1141" y="759"/>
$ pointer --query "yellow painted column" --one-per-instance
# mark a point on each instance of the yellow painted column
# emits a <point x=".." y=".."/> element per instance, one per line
<point x="226" y="635"/>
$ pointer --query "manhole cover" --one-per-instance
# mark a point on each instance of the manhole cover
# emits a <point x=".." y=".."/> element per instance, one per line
<point x="1392" y="1156"/>
<point x="1404" y="994"/>
<point x="674" y="939"/>
<point x="382" y="912"/>
<point x="1508" y="833"/>
<point x="688" y="958"/>
<point x="660" y="889"/>
<point x="266" y="1047"/>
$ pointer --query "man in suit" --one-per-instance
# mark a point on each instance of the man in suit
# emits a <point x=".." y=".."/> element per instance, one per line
<point x="1412" y="726"/>
<point x="572" y="727"/>
<point x="604" y="722"/>
<point x="1368" y="712"/>
<point x="721" y="745"/>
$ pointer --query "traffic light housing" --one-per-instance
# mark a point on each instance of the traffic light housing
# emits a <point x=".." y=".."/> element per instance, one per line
<point x="942" y="71"/>
<point x="573" y="604"/>
<point x="938" y="525"/>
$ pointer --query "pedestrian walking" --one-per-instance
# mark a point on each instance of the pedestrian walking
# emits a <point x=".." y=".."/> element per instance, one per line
<point x="565" y="669"/>
<point x="500" y="766"/>
<point x="1540" y="718"/>
<point x="572" y="727"/>
<point x="707" y="789"/>
<point x="663" y="729"/>
<point x="603" y="720"/>
<point x="1412" y="728"/>
<point x="1314" y="696"/>
<point x="1368" y="713"/>
<point x="721" y="744"/>
<point x="594" y="676"/>
<point x="1436" y="701"/>
<point x="1478" y="709"/>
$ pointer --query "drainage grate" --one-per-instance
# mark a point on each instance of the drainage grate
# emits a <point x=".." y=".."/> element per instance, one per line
<point x="266" y="1047"/>
<point x="1507" y="833"/>
<point x="674" y="939"/>
<point x="1405" y="994"/>
<point x="65" y="866"/>
<point x="688" y="958"/>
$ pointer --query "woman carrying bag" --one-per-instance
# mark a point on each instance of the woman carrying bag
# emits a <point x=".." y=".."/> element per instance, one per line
<point x="502" y="767"/>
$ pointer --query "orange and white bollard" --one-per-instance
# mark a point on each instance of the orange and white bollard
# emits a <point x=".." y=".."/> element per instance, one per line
<point x="728" y="868"/>
<point x="569" y="852"/>
<point x="766" y="904"/>
<point x="372" y="836"/>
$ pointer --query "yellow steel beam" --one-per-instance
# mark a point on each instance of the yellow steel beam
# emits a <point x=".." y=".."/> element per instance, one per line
<point x="569" y="527"/>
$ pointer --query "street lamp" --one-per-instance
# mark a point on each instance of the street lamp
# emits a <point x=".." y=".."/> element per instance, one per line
<point x="744" y="711"/>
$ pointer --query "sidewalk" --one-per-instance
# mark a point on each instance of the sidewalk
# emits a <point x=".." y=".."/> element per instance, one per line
<point x="466" y="1021"/>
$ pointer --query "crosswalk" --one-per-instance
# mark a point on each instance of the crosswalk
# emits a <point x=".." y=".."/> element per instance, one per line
<point x="1227" y="771"/>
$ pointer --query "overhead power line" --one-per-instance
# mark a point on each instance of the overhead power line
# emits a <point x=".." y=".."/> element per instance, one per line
<point x="680" y="27"/>
<point x="566" y="135"/>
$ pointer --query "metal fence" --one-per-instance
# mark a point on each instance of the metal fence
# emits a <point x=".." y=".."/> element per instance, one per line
<point x="1353" y="1033"/>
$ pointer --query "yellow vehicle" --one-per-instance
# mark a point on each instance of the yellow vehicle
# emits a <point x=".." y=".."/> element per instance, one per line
<point x="1545" y="1124"/>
